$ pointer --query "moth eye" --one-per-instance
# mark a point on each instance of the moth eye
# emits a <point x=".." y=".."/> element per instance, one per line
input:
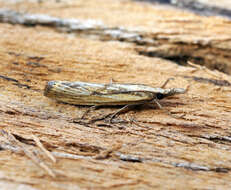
<point x="159" y="96"/>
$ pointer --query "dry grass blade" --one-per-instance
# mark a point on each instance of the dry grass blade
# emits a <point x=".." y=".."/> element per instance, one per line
<point x="30" y="153"/>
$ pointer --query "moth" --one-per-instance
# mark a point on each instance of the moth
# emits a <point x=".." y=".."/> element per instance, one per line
<point x="94" y="94"/>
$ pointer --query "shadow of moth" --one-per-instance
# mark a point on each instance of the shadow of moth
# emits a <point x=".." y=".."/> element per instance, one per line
<point x="94" y="94"/>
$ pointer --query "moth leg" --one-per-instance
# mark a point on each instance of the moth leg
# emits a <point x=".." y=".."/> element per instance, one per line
<point x="88" y="110"/>
<point x="166" y="111"/>
<point x="121" y="110"/>
<point x="160" y="107"/>
<point x="166" y="82"/>
<point x="158" y="103"/>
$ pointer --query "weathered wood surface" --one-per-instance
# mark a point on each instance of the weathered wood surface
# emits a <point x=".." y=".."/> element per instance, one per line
<point x="201" y="7"/>
<point x="43" y="145"/>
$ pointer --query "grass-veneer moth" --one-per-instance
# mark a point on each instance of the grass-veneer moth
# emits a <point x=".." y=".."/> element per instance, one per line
<point x="94" y="94"/>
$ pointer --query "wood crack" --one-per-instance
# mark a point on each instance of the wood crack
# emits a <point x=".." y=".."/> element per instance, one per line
<point x="202" y="52"/>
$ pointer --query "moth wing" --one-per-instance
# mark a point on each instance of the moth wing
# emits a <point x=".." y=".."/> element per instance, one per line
<point x="81" y="93"/>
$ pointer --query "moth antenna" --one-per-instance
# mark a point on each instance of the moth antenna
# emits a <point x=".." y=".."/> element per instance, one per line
<point x="166" y="82"/>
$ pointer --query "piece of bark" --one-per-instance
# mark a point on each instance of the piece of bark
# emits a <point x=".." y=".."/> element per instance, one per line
<point x="144" y="148"/>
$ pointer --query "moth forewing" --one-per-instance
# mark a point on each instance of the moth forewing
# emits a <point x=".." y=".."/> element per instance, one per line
<point x="82" y="93"/>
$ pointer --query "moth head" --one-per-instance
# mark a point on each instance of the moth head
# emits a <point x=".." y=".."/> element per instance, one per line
<point x="49" y="88"/>
<point x="169" y="92"/>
